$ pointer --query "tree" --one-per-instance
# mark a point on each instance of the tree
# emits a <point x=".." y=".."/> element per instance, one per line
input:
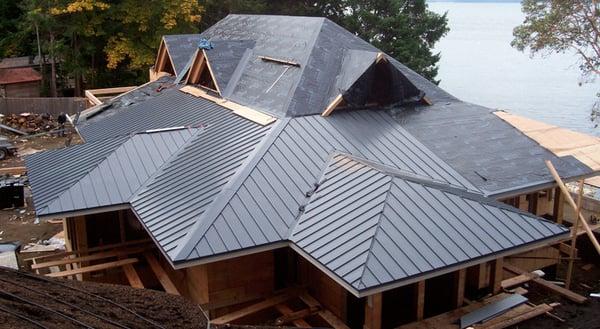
<point x="558" y="26"/>
<point x="404" y="29"/>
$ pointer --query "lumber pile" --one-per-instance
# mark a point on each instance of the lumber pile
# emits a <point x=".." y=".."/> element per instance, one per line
<point x="31" y="123"/>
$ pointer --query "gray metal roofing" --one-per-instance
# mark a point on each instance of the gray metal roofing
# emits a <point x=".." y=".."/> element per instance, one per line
<point x="181" y="47"/>
<point x="172" y="108"/>
<point x="264" y="204"/>
<point x="485" y="149"/>
<point x="178" y="195"/>
<point x="371" y="227"/>
<point x="100" y="174"/>
<point x="125" y="101"/>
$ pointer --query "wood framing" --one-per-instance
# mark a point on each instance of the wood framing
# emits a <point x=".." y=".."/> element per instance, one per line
<point x="569" y="199"/>
<point x="573" y="249"/>
<point x="161" y="275"/>
<point x="461" y="276"/>
<point x="201" y="73"/>
<point x="420" y="300"/>
<point x="496" y="275"/>
<point x="163" y="60"/>
<point x="94" y="268"/>
<point x="373" y="311"/>
<point x="333" y="105"/>
<point x="238" y="109"/>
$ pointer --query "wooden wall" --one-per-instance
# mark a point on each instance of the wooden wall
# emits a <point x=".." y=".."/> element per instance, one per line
<point x="25" y="89"/>
<point x="328" y="292"/>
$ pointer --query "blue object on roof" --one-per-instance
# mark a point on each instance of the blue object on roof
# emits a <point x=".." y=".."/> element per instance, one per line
<point x="205" y="44"/>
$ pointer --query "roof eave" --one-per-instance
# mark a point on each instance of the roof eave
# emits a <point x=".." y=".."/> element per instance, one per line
<point x="537" y="186"/>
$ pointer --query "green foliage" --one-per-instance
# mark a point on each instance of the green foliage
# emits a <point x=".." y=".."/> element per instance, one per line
<point x="404" y="29"/>
<point x="559" y="26"/>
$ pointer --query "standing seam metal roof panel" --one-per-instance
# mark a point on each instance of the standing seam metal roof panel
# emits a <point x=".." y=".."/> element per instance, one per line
<point x="178" y="195"/>
<point x="112" y="176"/>
<point x="392" y="226"/>
<point x="271" y="194"/>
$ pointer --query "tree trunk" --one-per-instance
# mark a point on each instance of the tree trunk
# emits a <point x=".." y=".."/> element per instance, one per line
<point x="53" y="92"/>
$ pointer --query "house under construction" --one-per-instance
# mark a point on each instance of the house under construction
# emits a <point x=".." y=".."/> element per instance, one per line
<point x="282" y="168"/>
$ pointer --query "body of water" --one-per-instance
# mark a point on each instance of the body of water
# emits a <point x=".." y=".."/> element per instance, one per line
<point x="478" y="65"/>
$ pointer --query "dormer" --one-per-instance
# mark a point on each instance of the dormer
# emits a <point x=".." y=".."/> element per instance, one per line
<point x="163" y="64"/>
<point x="368" y="79"/>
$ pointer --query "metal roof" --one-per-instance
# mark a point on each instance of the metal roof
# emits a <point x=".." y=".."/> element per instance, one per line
<point x="100" y="174"/>
<point x="172" y="108"/>
<point x="264" y="204"/>
<point x="485" y="149"/>
<point x="182" y="190"/>
<point x="372" y="225"/>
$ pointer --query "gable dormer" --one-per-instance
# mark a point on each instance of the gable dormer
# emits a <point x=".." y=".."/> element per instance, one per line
<point x="200" y="73"/>
<point x="163" y="63"/>
<point x="366" y="79"/>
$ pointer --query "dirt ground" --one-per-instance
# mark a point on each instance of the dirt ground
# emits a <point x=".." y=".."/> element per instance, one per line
<point x="586" y="280"/>
<point x="18" y="224"/>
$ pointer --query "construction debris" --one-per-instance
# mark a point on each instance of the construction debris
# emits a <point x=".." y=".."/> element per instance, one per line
<point x="30" y="123"/>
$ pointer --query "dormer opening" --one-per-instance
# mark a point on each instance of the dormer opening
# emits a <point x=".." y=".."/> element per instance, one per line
<point x="163" y="63"/>
<point x="368" y="79"/>
<point x="200" y="73"/>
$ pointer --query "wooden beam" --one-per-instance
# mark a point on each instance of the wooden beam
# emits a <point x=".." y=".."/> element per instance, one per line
<point x="572" y="253"/>
<point x="496" y="275"/>
<point x="13" y="171"/>
<point x="548" y="285"/>
<point x="373" y="311"/>
<point x="533" y="203"/>
<point x="297" y="315"/>
<point x="161" y="275"/>
<point x="567" y="195"/>
<point x="94" y="268"/>
<point x="286" y="310"/>
<point x="325" y="314"/>
<point x="566" y="249"/>
<point x="380" y="57"/>
<point x="96" y="256"/>
<point x="249" y="310"/>
<point x="517" y="280"/>
<point x="93" y="249"/>
<point x="515" y="316"/>
<point x="420" y="299"/>
<point x="132" y="276"/>
<point x="92" y="98"/>
<point x="559" y="206"/>
<point x="336" y="101"/>
<point x="111" y="91"/>
<point x="279" y="61"/>
<point x="461" y="276"/>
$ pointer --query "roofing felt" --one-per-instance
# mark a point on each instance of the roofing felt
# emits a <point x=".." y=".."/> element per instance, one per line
<point x="102" y="173"/>
<point x="18" y="75"/>
<point x="181" y="47"/>
<point x="225" y="57"/>
<point x="485" y="149"/>
<point x="371" y="226"/>
<point x="317" y="44"/>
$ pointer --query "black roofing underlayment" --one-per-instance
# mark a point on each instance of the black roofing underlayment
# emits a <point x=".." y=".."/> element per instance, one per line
<point x="229" y="184"/>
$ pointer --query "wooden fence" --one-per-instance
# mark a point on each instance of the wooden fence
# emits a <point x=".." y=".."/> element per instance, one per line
<point x="54" y="106"/>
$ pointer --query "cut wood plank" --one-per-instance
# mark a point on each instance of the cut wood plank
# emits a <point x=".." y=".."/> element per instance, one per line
<point x="13" y="171"/>
<point x="94" y="268"/>
<point x="286" y="310"/>
<point x="517" y="280"/>
<point x="133" y="277"/>
<point x="297" y="315"/>
<point x="280" y="61"/>
<point x="569" y="199"/>
<point x="160" y="273"/>
<point x="336" y="101"/>
<point x="110" y="91"/>
<point x="97" y="256"/>
<point x="263" y="305"/>
<point x="325" y="314"/>
<point x="89" y="250"/>
<point x="332" y="320"/>
<point x="573" y="247"/>
<point x="577" y="298"/>
<point x="514" y="317"/>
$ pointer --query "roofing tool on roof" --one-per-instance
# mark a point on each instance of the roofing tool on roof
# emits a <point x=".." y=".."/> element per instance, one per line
<point x="205" y="44"/>
<point x="280" y="61"/>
